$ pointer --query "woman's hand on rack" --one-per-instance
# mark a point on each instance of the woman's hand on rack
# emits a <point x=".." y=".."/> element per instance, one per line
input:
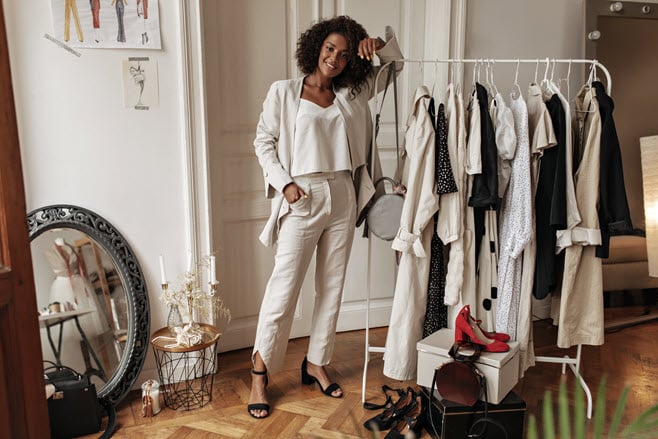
<point x="369" y="46"/>
<point x="293" y="193"/>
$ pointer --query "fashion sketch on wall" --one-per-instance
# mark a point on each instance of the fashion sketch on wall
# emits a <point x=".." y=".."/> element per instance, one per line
<point x="140" y="83"/>
<point x="129" y="24"/>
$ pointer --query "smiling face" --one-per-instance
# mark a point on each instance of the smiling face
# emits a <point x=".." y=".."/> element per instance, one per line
<point x="333" y="56"/>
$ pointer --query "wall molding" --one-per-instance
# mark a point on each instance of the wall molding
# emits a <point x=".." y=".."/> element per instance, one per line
<point x="194" y="134"/>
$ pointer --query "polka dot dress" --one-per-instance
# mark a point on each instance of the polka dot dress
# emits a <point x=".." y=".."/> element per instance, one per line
<point x="445" y="181"/>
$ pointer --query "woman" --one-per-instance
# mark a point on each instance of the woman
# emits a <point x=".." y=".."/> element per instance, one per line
<point x="312" y="141"/>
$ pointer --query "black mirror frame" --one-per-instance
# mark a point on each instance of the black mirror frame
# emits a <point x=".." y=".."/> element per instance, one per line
<point x="99" y="229"/>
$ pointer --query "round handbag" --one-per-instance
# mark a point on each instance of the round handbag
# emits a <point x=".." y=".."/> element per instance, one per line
<point x="459" y="381"/>
<point x="384" y="214"/>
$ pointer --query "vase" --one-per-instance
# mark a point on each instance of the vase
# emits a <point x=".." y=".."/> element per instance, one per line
<point x="174" y="319"/>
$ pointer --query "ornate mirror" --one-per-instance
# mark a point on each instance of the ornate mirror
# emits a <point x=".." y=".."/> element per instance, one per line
<point x="92" y="298"/>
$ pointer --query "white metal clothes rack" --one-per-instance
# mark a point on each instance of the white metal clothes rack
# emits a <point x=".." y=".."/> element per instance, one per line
<point x="572" y="362"/>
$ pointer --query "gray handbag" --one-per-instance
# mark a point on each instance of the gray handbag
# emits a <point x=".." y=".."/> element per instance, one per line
<point x="385" y="209"/>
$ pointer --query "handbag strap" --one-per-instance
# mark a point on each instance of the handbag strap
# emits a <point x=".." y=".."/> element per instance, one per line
<point x="455" y="353"/>
<point x="390" y="77"/>
<point x="58" y="367"/>
<point x="111" y="418"/>
<point x="485" y="420"/>
<point x="397" y="175"/>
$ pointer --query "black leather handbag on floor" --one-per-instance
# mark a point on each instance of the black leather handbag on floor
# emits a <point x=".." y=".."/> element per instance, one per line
<point x="74" y="408"/>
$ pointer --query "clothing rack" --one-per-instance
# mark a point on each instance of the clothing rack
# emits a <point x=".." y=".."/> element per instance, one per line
<point x="572" y="362"/>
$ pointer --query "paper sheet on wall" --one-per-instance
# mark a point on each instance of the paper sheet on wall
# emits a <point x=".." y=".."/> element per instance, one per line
<point x="102" y="24"/>
<point x="140" y="83"/>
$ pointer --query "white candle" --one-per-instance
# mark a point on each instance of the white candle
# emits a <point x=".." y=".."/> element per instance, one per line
<point x="189" y="261"/>
<point x="213" y="273"/>
<point x="163" y="277"/>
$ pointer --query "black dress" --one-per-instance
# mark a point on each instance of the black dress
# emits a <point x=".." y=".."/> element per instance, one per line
<point x="484" y="194"/>
<point x="551" y="203"/>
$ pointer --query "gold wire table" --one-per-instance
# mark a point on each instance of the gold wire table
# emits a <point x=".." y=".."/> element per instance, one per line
<point x="186" y="373"/>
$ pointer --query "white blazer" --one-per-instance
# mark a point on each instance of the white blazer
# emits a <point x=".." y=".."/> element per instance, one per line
<point x="276" y="130"/>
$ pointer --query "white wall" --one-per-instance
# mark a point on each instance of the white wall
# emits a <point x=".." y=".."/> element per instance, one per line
<point x="525" y="29"/>
<point x="80" y="146"/>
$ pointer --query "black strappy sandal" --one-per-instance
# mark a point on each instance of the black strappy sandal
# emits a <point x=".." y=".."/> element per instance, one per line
<point x="259" y="405"/>
<point x="393" y="411"/>
<point x="310" y="379"/>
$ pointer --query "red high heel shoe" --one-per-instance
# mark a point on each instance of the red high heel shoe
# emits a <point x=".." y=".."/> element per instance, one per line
<point x="467" y="330"/>
<point x="500" y="336"/>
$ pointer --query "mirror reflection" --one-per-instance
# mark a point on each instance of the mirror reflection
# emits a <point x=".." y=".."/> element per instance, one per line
<point x="82" y="303"/>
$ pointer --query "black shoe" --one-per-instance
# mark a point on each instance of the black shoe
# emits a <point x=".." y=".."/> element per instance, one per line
<point x="412" y="421"/>
<point x="392" y="412"/>
<point x="310" y="379"/>
<point x="259" y="405"/>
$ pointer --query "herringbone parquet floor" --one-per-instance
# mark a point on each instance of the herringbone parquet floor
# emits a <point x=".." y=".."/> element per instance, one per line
<point x="629" y="356"/>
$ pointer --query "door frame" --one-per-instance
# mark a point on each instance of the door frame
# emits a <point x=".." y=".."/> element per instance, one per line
<point x="23" y="410"/>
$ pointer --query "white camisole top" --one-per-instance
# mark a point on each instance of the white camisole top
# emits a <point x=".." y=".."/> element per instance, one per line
<point x="320" y="140"/>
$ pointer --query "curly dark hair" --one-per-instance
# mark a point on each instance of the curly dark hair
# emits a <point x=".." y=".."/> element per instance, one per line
<point x="310" y="43"/>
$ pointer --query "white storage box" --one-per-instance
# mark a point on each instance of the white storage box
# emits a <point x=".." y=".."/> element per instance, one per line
<point x="500" y="369"/>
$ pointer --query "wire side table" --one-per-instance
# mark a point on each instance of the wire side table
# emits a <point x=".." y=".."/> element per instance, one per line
<point x="186" y="373"/>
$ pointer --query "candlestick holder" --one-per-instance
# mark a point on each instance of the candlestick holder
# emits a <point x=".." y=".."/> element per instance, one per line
<point x="200" y="304"/>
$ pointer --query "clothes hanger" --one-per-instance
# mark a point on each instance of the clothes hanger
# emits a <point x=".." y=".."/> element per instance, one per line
<point x="460" y="75"/>
<point x="485" y="81"/>
<point x="545" y="83"/>
<point x="436" y="77"/>
<point x="566" y="81"/>
<point x="454" y="73"/>
<point x="516" y="89"/>
<point x="491" y="72"/>
<point x="590" y="89"/>
<point x="590" y="79"/>
<point x="551" y="81"/>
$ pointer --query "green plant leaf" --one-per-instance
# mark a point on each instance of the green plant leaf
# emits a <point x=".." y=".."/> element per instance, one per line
<point x="599" y="410"/>
<point x="645" y="425"/>
<point x="563" y="411"/>
<point x="549" y="422"/>
<point x="619" y="411"/>
<point x="532" y="427"/>
<point x="579" y="422"/>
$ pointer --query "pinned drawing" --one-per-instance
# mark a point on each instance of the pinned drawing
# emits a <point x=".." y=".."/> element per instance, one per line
<point x="126" y="24"/>
<point x="140" y="83"/>
<point x="120" y="8"/>
<point x="143" y="11"/>
<point x="71" y="9"/>
<point x="96" y="19"/>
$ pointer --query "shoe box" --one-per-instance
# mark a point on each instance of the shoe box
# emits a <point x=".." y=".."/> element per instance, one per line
<point x="448" y="420"/>
<point x="501" y="369"/>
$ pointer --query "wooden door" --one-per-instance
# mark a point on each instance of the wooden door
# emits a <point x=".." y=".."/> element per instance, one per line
<point x="23" y="412"/>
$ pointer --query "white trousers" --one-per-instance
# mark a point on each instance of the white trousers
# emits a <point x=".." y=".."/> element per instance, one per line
<point x="324" y="222"/>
